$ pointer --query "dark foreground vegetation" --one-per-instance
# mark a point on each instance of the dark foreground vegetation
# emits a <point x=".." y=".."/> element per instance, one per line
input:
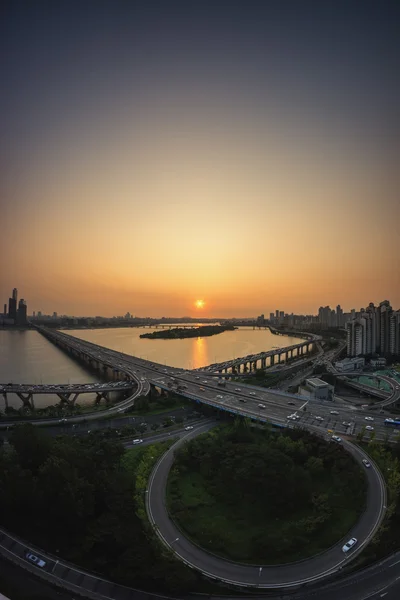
<point x="387" y="540"/>
<point x="82" y="499"/>
<point x="179" y="333"/>
<point x="265" y="497"/>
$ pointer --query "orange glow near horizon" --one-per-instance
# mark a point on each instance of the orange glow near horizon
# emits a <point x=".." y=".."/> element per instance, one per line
<point x="199" y="304"/>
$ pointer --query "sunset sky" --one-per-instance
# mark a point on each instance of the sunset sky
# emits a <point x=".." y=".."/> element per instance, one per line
<point x="158" y="153"/>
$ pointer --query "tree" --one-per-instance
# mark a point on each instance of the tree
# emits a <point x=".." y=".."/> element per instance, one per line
<point x="31" y="445"/>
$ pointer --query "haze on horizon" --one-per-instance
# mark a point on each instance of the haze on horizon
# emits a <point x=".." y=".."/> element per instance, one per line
<point x="240" y="153"/>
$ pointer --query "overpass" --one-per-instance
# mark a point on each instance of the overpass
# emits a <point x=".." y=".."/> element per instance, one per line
<point x="262" y="360"/>
<point x="388" y="398"/>
<point x="67" y="393"/>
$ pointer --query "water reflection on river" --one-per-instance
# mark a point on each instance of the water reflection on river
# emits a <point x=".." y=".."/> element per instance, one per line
<point x="189" y="353"/>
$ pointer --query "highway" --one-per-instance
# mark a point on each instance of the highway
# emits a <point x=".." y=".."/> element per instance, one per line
<point x="237" y="398"/>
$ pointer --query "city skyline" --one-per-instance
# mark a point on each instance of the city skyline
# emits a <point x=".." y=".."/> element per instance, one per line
<point x="242" y="157"/>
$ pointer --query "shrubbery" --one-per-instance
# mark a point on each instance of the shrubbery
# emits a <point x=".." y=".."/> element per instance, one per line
<point x="265" y="497"/>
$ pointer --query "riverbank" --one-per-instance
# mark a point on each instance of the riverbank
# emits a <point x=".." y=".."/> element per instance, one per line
<point x="179" y="333"/>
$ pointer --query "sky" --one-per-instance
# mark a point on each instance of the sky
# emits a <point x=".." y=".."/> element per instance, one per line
<point x="242" y="153"/>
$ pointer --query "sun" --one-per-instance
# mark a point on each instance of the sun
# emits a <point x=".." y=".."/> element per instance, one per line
<point x="199" y="304"/>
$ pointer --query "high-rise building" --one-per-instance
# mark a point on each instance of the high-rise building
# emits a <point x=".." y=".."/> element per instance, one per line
<point x="395" y="332"/>
<point x="356" y="337"/>
<point x="5" y="309"/>
<point x="15" y="295"/>
<point x="369" y="317"/>
<point x="339" y="316"/>
<point x="277" y="315"/>
<point x="384" y="314"/>
<point x="12" y="309"/>
<point x="22" y="310"/>
<point x="271" y="317"/>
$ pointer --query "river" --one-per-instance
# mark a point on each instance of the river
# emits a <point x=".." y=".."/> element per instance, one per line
<point x="27" y="357"/>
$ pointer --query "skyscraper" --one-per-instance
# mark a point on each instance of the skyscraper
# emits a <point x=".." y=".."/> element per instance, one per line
<point x="339" y="316"/>
<point x="395" y="332"/>
<point x="12" y="309"/>
<point x="15" y="295"/>
<point x="384" y="314"/>
<point x="21" y="315"/>
<point x="356" y="337"/>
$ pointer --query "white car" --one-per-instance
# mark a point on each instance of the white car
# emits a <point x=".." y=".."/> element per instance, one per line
<point x="252" y="394"/>
<point x="319" y="418"/>
<point x="334" y="412"/>
<point x="188" y="428"/>
<point x="137" y="442"/>
<point x="369" y="428"/>
<point x="261" y="406"/>
<point x="336" y="438"/>
<point x="238" y="390"/>
<point x="369" y="418"/>
<point x="345" y="424"/>
<point x="39" y="562"/>
<point x="348" y="545"/>
<point x="219" y="396"/>
<point x="366" y="463"/>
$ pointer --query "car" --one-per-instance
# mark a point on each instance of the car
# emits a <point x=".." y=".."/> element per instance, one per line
<point x="369" y="428"/>
<point x="202" y="389"/>
<point x="336" y="438"/>
<point x="238" y="390"/>
<point x="219" y="396"/>
<point x="137" y="441"/>
<point x="188" y="428"/>
<point x="261" y="406"/>
<point x="242" y="400"/>
<point x="348" y="545"/>
<point x="389" y="420"/>
<point x="292" y="403"/>
<point x="334" y="412"/>
<point x="197" y="377"/>
<point x="366" y="463"/>
<point x="252" y="394"/>
<point x="346" y="424"/>
<point x="369" y="418"/>
<point x="291" y="417"/>
<point x="39" y="562"/>
<point x="319" y="418"/>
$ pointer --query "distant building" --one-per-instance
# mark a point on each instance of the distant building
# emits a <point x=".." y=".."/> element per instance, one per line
<point x="356" y="337"/>
<point x="348" y="365"/>
<point x="395" y="333"/>
<point x="12" y="309"/>
<point x="5" y="310"/>
<point x="317" y="389"/>
<point x="22" y="311"/>
<point x="378" y="362"/>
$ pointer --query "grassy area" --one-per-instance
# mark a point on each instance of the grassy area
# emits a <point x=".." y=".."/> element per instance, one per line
<point x="242" y="527"/>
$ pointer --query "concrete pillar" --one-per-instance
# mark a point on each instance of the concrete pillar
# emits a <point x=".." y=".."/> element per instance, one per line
<point x="272" y="360"/>
<point x="5" y="400"/>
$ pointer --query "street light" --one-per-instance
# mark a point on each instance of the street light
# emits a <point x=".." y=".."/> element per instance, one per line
<point x="259" y="572"/>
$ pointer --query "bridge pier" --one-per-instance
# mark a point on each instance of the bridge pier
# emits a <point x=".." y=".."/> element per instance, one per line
<point x="5" y="400"/>
<point x="27" y="400"/>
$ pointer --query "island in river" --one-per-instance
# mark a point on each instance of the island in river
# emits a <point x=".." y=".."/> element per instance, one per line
<point x="178" y="333"/>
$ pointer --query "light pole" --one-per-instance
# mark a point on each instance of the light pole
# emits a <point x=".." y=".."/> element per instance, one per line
<point x="177" y="539"/>
<point x="259" y="572"/>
